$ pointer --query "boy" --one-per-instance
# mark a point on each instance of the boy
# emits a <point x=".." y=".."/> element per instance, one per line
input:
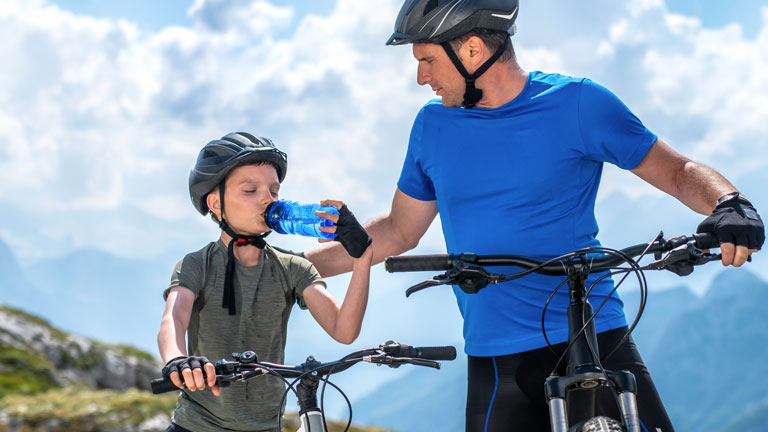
<point x="230" y="299"/>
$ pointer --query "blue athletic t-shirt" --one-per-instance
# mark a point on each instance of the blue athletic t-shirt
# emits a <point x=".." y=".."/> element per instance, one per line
<point x="522" y="179"/>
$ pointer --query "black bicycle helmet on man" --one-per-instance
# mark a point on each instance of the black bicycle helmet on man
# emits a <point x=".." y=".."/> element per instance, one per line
<point x="441" y="21"/>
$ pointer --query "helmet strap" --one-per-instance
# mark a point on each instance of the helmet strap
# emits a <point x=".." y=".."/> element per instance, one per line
<point x="472" y="95"/>
<point x="228" y="300"/>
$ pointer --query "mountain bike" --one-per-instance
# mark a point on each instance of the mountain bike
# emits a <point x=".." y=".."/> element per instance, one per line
<point x="246" y="365"/>
<point x="584" y="371"/>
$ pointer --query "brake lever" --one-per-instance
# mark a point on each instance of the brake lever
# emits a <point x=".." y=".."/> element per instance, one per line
<point x="423" y="285"/>
<point x="682" y="259"/>
<point x="422" y="362"/>
<point x="396" y="362"/>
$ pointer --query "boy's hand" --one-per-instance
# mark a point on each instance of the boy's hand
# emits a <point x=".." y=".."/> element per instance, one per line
<point x="348" y="230"/>
<point x="197" y="371"/>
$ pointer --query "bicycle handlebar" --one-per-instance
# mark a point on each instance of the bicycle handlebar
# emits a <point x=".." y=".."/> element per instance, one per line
<point x="442" y="262"/>
<point x="391" y="353"/>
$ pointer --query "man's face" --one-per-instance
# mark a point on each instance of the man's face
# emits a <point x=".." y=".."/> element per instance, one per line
<point x="437" y="70"/>
<point x="250" y="189"/>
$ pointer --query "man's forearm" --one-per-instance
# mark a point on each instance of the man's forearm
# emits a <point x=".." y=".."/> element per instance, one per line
<point x="332" y="259"/>
<point x="699" y="186"/>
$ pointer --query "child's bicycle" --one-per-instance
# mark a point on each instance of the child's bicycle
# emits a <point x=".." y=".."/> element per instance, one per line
<point x="244" y="366"/>
<point x="584" y="370"/>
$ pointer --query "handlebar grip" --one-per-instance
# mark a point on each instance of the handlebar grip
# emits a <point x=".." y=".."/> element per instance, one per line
<point x="162" y="385"/>
<point x="706" y="241"/>
<point x="435" y="352"/>
<point x="437" y="262"/>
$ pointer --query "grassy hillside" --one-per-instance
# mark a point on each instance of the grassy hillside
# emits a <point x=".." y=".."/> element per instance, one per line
<point x="52" y="381"/>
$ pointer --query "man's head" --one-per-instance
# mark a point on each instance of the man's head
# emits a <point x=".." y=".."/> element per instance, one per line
<point x="452" y="24"/>
<point x="436" y="69"/>
<point x="251" y="168"/>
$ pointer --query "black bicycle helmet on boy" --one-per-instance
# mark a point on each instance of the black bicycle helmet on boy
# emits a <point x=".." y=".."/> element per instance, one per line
<point x="440" y="21"/>
<point x="219" y="157"/>
<point x="437" y="21"/>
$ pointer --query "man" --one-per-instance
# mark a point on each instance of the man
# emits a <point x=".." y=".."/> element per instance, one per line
<point x="512" y="160"/>
<point x="237" y="292"/>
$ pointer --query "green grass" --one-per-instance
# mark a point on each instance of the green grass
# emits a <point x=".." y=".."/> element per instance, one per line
<point x="127" y="350"/>
<point x="85" y="410"/>
<point x="24" y="373"/>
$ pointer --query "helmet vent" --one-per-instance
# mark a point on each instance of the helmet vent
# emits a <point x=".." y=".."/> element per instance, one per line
<point x="431" y="4"/>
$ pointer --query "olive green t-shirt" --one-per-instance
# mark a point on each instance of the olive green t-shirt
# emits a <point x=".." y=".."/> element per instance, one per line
<point x="264" y="296"/>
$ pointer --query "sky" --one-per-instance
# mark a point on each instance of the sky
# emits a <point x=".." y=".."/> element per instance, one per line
<point x="104" y="106"/>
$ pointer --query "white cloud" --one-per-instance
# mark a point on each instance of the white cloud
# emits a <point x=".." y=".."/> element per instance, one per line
<point x="98" y="116"/>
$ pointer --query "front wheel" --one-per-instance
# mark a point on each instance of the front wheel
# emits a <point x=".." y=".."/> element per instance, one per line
<point x="601" y="424"/>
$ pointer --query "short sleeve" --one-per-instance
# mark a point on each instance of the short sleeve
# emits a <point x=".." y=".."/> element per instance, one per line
<point x="610" y="132"/>
<point x="413" y="180"/>
<point x="187" y="273"/>
<point x="302" y="274"/>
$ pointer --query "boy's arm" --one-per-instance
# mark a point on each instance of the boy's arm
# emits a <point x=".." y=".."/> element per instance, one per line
<point x="171" y="341"/>
<point x="343" y="322"/>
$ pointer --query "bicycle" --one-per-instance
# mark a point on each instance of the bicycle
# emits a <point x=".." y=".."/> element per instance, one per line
<point x="244" y="366"/>
<point x="584" y="371"/>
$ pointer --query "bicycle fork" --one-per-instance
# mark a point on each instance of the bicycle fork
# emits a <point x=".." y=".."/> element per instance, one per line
<point x="582" y="373"/>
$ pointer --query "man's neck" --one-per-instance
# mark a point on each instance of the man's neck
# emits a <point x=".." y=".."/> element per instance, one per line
<point x="501" y="83"/>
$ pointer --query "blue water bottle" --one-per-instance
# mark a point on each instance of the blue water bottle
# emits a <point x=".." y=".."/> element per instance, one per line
<point x="290" y="217"/>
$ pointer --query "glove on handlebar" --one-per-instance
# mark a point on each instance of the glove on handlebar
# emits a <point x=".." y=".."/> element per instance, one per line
<point x="735" y="221"/>
<point x="351" y="234"/>
<point x="180" y="363"/>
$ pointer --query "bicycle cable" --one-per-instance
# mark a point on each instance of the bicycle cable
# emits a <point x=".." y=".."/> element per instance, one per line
<point x="302" y="375"/>
<point x="326" y="381"/>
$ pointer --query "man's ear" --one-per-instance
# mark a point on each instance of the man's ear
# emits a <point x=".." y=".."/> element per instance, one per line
<point x="473" y="50"/>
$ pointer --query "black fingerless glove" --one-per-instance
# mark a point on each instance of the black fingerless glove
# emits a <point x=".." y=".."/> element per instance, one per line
<point x="180" y="363"/>
<point x="351" y="234"/>
<point x="736" y="221"/>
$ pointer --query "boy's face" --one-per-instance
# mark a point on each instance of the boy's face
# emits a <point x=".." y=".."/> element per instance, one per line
<point x="250" y="189"/>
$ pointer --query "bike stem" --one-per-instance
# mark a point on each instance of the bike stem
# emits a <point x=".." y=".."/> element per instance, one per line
<point x="583" y="345"/>
<point x="310" y="416"/>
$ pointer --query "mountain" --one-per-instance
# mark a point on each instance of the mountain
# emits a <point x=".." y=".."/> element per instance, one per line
<point x="99" y="295"/>
<point x="14" y="288"/>
<point x="30" y="343"/>
<point x="53" y="381"/>
<point x="713" y="354"/>
<point x="422" y="400"/>
<point x="706" y="356"/>
<point x="661" y="307"/>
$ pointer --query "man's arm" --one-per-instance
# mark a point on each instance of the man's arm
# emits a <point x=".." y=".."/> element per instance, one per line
<point x="393" y="234"/>
<point x="171" y="340"/>
<point x="695" y="185"/>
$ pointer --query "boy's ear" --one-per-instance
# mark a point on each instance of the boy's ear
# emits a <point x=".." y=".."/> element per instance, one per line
<point x="212" y="200"/>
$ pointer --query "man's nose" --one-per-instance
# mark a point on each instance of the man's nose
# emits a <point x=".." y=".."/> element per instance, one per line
<point x="422" y="75"/>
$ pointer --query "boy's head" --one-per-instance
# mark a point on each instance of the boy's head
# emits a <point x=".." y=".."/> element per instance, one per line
<point x="260" y="160"/>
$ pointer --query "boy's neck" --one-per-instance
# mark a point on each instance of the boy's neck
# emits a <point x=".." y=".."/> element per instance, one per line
<point x="248" y="255"/>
